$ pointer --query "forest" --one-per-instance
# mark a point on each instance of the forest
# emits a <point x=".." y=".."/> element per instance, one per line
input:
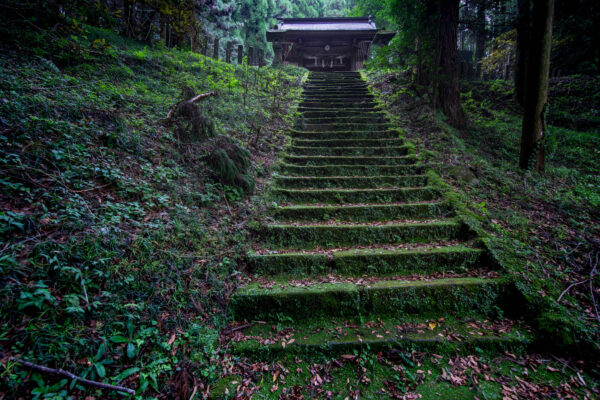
<point x="400" y="201"/>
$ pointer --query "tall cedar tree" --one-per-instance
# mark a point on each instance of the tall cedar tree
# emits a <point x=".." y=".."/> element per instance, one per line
<point x="536" y="86"/>
<point x="523" y="37"/>
<point x="481" y="34"/>
<point x="447" y="54"/>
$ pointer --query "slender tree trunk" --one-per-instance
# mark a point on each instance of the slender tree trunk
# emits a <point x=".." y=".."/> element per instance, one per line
<point x="523" y="38"/>
<point x="448" y="84"/>
<point x="481" y="36"/>
<point x="536" y="93"/>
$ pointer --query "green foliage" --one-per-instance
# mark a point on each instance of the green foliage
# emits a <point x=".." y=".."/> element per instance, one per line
<point x="107" y="216"/>
<point x="230" y="162"/>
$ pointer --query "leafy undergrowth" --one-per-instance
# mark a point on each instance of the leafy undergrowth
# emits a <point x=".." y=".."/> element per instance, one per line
<point x="122" y="236"/>
<point x="543" y="228"/>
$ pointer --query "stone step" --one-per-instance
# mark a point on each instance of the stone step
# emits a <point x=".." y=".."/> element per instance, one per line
<point x="350" y="170"/>
<point x="335" y="111"/>
<point x="363" y="212"/>
<point x="313" y="235"/>
<point x="299" y="182"/>
<point x="333" y="336"/>
<point x="322" y="85"/>
<point x="373" y="261"/>
<point x="357" y="120"/>
<point x="351" y="127"/>
<point x="340" y="90"/>
<point x="348" y="142"/>
<point x="344" y="196"/>
<point x="350" y="151"/>
<point x="310" y="97"/>
<point x="350" y="160"/>
<point x="375" y="133"/>
<point x="443" y="297"/>
<point x="356" y="104"/>
<point x="340" y="114"/>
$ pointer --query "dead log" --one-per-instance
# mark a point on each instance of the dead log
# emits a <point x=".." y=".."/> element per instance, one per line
<point x="188" y="102"/>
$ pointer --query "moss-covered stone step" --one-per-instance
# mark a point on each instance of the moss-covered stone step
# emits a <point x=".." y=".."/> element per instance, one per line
<point x="359" y="119"/>
<point x="281" y="236"/>
<point x="349" y="160"/>
<point x="378" y="261"/>
<point x="341" y="126"/>
<point x="327" y="84"/>
<point x="358" y="182"/>
<point x="332" y="336"/>
<point x="363" y="212"/>
<point x="339" y="114"/>
<point x="303" y="110"/>
<point x="373" y="132"/>
<point x="350" y="151"/>
<point x="349" y="142"/>
<point x="334" y="81"/>
<point x="335" y="95"/>
<point x="378" y="195"/>
<point x="350" y="170"/>
<point x="357" y="104"/>
<point x="437" y="297"/>
<point x="343" y="89"/>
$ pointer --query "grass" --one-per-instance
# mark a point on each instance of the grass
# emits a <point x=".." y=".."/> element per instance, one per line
<point x="120" y="245"/>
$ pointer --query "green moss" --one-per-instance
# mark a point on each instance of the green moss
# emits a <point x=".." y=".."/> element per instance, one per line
<point x="354" y="195"/>
<point x="363" y="213"/>
<point x="459" y="296"/>
<point x="309" y="236"/>
<point x="332" y="337"/>
<point x="348" y="142"/>
<point x="251" y="302"/>
<point x="349" y="170"/>
<point x="224" y="388"/>
<point x="348" y="160"/>
<point x="293" y="182"/>
<point x="350" y="151"/>
<point x="348" y="133"/>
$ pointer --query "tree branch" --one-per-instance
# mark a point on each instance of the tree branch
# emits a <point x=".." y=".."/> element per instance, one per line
<point x="71" y="376"/>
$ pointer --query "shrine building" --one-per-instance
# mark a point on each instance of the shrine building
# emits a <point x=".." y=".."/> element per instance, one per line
<point x="325" y="44"/>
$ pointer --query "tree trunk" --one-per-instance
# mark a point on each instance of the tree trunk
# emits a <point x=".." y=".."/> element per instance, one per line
<point x="523" y="38"/>
<point x="448" y="84"/>
<point x="481" y="36"/>
<point x="536" y="90"/>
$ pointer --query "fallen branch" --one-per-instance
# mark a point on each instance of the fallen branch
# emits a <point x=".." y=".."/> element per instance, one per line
<point x="71" y="376"/>
<point x="569" y="288"/>
<point x="235" y="329"/>
<point x="189" y="101"/>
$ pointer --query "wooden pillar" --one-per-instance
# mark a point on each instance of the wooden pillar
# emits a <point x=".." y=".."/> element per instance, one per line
<point x="250" y="60"/>
<point x="240" y="53"/>
<point x="204" y="46"/>
<point x="278" y="54"/>
<point x="216" y="49"/>
<point x="228" y="48"/>
<point x="261" y="58"/>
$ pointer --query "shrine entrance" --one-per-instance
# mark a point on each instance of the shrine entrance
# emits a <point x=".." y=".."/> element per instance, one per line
<point x="325" y="44"/>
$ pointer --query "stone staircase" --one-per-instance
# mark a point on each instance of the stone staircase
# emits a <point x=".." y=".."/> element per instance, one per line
<point x="363" y="249"/>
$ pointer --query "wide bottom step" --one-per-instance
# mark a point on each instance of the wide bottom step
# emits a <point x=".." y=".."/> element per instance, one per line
<point x="333" y="336"/>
